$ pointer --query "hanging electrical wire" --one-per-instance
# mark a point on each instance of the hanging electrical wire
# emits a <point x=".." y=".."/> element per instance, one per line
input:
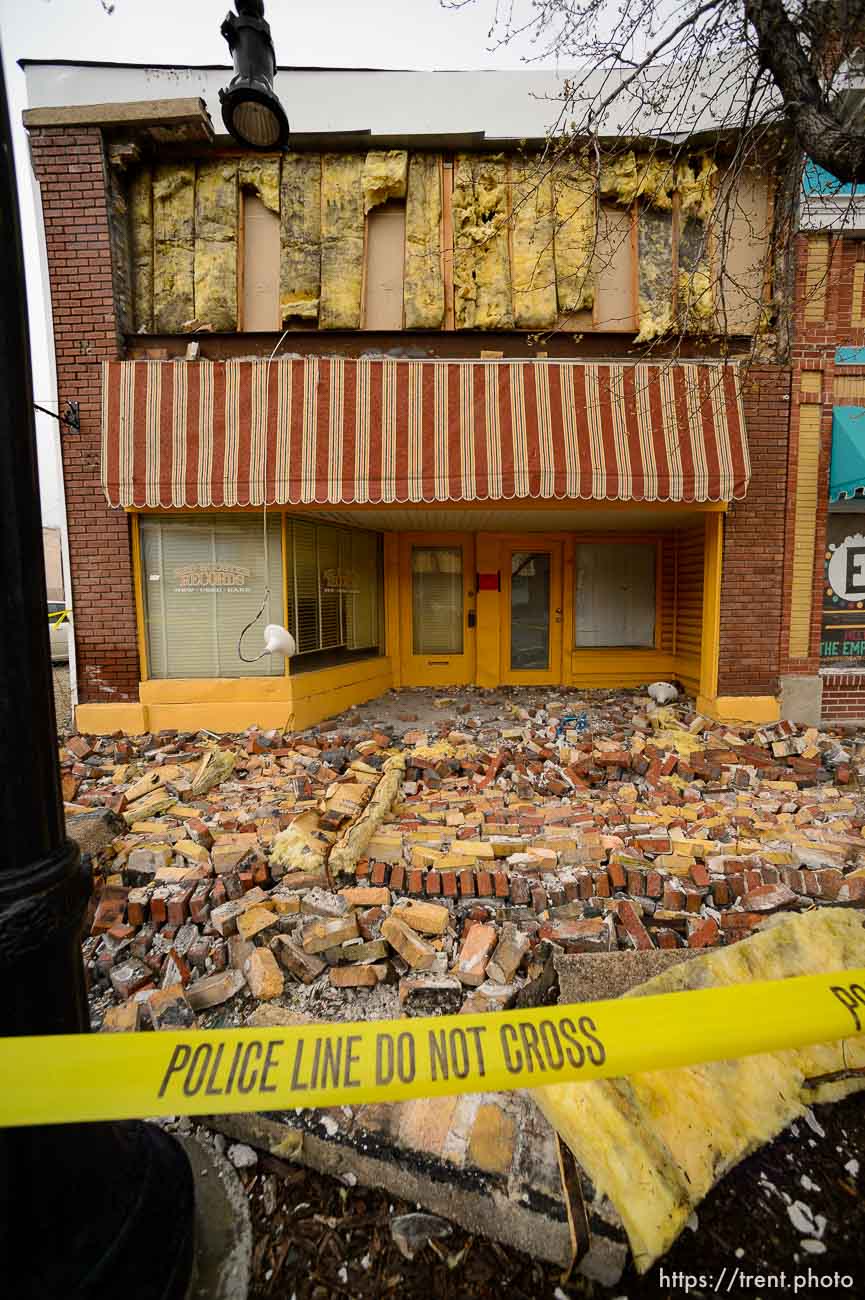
<point x="277" y="639"/>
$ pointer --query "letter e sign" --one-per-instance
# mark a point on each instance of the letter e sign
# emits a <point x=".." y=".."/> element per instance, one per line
<point x="855" y="571"/>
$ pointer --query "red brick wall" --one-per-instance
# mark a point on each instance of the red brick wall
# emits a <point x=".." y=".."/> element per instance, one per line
<point x="751" y="604"/>
<point x="843" y="697"/>
<point x="70" y="167"/>
<point x="813" y="351"/>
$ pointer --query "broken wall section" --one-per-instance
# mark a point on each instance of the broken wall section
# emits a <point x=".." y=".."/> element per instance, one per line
<point x="533" y="242"/>
<point x="423" y="283"/>
<point x="300" y="237"/>
<point x="216" y="199"/>
<point x="342" y="241"/>
<point x="534" y="266"/>
<point x="481" y="215"/>
<point x="173" y="246"/>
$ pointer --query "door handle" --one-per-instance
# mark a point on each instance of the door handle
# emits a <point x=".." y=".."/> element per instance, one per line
<point x="471" y="618"/>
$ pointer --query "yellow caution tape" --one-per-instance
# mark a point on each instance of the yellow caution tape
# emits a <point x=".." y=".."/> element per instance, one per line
<point x="59" y="616"/>
<point x="77" y="1077"/>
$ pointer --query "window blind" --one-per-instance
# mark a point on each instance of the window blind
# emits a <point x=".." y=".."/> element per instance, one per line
<point x="437" y="600"/>
<point x="203" y="580"/>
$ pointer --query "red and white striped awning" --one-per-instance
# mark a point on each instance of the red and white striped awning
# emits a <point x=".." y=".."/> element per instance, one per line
<point x="217" y="434"/>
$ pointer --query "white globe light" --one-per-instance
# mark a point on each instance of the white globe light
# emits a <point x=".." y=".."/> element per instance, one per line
<point x="279" y="641"/>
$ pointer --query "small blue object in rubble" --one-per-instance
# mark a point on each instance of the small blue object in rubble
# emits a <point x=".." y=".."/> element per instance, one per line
<point x="579" y="722"/>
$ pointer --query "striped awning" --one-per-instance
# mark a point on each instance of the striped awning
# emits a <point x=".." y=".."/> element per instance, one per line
<point x="336" y="432"/>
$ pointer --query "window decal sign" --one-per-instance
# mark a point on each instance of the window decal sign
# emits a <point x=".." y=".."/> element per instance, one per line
<point x="212" y="578"/>
<point x="346" y="581"/>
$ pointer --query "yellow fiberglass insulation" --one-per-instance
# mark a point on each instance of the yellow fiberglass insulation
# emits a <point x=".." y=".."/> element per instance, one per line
<point x="482" y="273"/>
<point x="629" y="176"/>
<point x="352" y="846"/>
<point x="696" y="189"/>
<point x="216" y="245"/>
<point x="654" y="1144"/>
<point x="533" y="268"/>
<point x="342" y="229"/>
<point x="384" y="176"/>
<point x="300" y="236"/>
<point x="140" y="208"/>
<point x="261" y="175"/>
<point x="423" y="282"/>
<point x="655" y="272"/>
<point x="696" y="298"/>
<point x="173" y="246"/>
<point x="575" y="236"/>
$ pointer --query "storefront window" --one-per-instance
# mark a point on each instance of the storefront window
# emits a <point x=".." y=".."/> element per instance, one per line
<point x="335" y="603"/>
<point x="843" y="627"/>
<point x="437" y="600"/>
<point x="204" y="578"/>
<point x="615" y="594"/>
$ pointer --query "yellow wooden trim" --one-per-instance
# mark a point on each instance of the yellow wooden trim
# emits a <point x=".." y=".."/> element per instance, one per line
<point x="816" y="272"/>
<point x="140" y="622"/>
<point x="857" y="313"/>
<point x="711" y="629"/>
<point x="675" y="637"/>
<point x="846" y="388"/>
<point x="105" y="719"/>
<point x="569" y="598"/>
<point x="626" y="668"/>
<point x="392" y="605"/>
<point x="740" y="708"/>
<point x="215" y="690"/>
<point x="488" y="634"/>
<point x="285" y="583"/>
<point x="804" y="531"/>
<point x="659" y="592"/>
<point x="237" y="690"/>
<point x="233" y="704"/>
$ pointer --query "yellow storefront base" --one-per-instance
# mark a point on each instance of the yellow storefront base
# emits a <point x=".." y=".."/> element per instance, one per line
<point x="740" y="708"/>
<point x="233" y="704"/>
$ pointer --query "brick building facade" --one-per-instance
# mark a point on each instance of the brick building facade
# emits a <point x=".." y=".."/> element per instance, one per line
<point x="493" y="574"/>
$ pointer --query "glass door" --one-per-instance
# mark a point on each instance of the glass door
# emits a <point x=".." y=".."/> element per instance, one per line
<point x="437" y="590"/>
<point x="532" y="613"/>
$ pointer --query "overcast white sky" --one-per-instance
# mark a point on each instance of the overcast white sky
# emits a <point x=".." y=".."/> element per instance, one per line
<point x="319" y="33"/>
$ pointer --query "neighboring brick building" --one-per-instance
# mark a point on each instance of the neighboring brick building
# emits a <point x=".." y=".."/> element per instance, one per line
<point x="473" y="471"/>
<point x="823" y="639"/>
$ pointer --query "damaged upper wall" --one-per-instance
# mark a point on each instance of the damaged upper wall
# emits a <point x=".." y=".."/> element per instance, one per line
<point x="215" y="279"/>
<point x="342" y="241"/>
<point x="423" y="276"/>
<point x="173" y="247"/>
<point x="477" y="242"/>
<point x="481" y="209"/>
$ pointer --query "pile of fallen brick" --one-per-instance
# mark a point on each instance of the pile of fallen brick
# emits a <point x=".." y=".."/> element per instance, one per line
<point x="567" y="823"/>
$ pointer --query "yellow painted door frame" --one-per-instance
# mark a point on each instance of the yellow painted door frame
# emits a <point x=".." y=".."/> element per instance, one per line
<point x="437" y="669"/>
<point x="552" y="675"/>
<point x="713" y="549"/>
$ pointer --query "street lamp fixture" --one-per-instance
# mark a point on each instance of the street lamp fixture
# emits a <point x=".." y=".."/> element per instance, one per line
<point x="251" y="109"/>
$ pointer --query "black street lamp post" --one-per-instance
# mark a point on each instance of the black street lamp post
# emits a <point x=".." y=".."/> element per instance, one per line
<point x="87" y="1211"/>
